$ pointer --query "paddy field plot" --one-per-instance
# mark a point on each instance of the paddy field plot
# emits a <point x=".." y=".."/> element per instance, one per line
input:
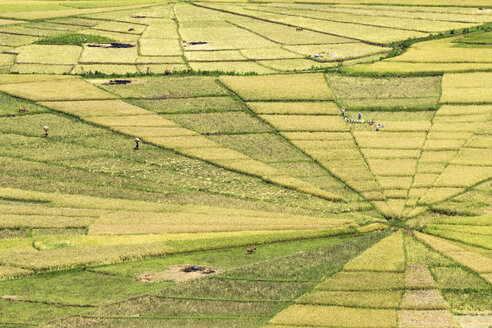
<point x="410" y="296"/>
<point x="355" y="18"/>
<point x="279" y="87"/>
<point x="264" y="37"/>
<point x="392" y="94"/>
<point x="249" y="136"/>
<point x="312" y="21"/>
<point x="301" y="123"/>
<point x="442" y="55"/>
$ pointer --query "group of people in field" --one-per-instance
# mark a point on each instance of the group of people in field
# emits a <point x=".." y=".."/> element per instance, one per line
<point x="362" y="121"/>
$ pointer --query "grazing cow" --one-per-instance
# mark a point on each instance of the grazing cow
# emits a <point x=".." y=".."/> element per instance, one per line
<point x="167" y="72"/>
<point x="250" y="250"/>
<point x="131" y="29"/>
<point x="299" y="29"/>
<point x="23" y="110"/>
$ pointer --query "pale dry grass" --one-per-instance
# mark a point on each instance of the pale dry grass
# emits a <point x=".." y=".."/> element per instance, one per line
<point x="96" y="108"/>
<point x="150" y="223"/>
<point x="463" y="176"/>
<point x="387" y="255"/>
<point x="393" y="167"/>
<point x="320" y="108"/>
<point x="459" y="110"/>
<point x="44" y="221"/>
<point x="70" y="89"/>
<point x="363" y="281"/>
<point x="10" y="272"/>
<point x="418" y="277"/>
<point x="48" y="54"/>
<point x="427" y="318"/>
<point x="279" y="87"/>
<point x="477" y="262"/>
<point x="423" y="300"/>
<point x="306" y="123"/>
<point x="308" y="315"/>
<point x="366" y="299"/>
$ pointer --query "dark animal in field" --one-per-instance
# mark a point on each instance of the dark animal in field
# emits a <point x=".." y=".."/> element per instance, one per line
<point x="23" y="110"/>
<point x="131" y="29"/>
<point x="167" y="72"/>
<point x="118" y="82"/>
<point x="299" y="29"/>
<point x="196" y="268"/>
<point x="196" y="43"/>
<point x="111" y="45"/>
<point x="250" y="250"/>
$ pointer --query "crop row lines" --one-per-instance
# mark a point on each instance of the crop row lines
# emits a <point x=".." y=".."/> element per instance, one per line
<point x="286" y="24"/>
<point x="339" y="21"/>
<point x="235" y="300"/>
<point x="23" y="300"/>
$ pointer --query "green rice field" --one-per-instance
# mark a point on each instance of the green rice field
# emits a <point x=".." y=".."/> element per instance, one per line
<point x="246" y="164"/>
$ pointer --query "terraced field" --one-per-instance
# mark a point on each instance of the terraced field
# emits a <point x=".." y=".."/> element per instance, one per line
<point x="241" y="164"/>
<point x="234" y="37"/>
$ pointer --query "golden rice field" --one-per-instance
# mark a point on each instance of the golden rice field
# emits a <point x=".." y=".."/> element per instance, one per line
<point x="243" y="164"/>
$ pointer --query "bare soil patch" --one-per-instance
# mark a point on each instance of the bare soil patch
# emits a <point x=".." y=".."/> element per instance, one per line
<point x="177" y="273"/>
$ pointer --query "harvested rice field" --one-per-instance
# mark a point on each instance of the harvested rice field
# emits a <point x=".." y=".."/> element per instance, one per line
<point x="246" y="164"/>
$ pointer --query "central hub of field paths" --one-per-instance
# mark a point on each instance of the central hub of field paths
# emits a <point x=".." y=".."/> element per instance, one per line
<point x="388" y="285"/>
<point x="391" y="163"/>
<point x="246" y="164"/>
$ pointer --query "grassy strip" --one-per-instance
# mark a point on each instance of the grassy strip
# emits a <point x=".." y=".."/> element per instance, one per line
<point x="75" y="288"/>
<point x="314" y="265"/>
<point x="61" y="258"/>
<point x="365" y="299"/>
<point x="484" y="220"/>
<point x="468" y="301"/>
<point x="175" y="304"/>
<point x="223" y="259"/>
<point x="219" y="296"/>
<point x="27" y="314"/>
<point x="479" y="240"/>
<point x="136" y="322"/>
<point x="75" y="39"/>
<point x="456" y="278"/>
<point x="308" y="315"/>
<point x="387" y="255"/>
<point x="399" y="48"/>
<point x="472" y="260"/>
<point x="423" y="300"/>
<point x="363" y="281"/>
<point x="427" y="318"/>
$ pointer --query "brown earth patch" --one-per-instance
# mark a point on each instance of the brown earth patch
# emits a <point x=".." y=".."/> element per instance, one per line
<point x="176" y="273"/>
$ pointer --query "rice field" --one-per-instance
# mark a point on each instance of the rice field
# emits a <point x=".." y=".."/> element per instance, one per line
<point x="304" y="87"/>
<point x="233" y="164"/>
<point x="421" y="295"/>
<point x="260" y="38"/>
